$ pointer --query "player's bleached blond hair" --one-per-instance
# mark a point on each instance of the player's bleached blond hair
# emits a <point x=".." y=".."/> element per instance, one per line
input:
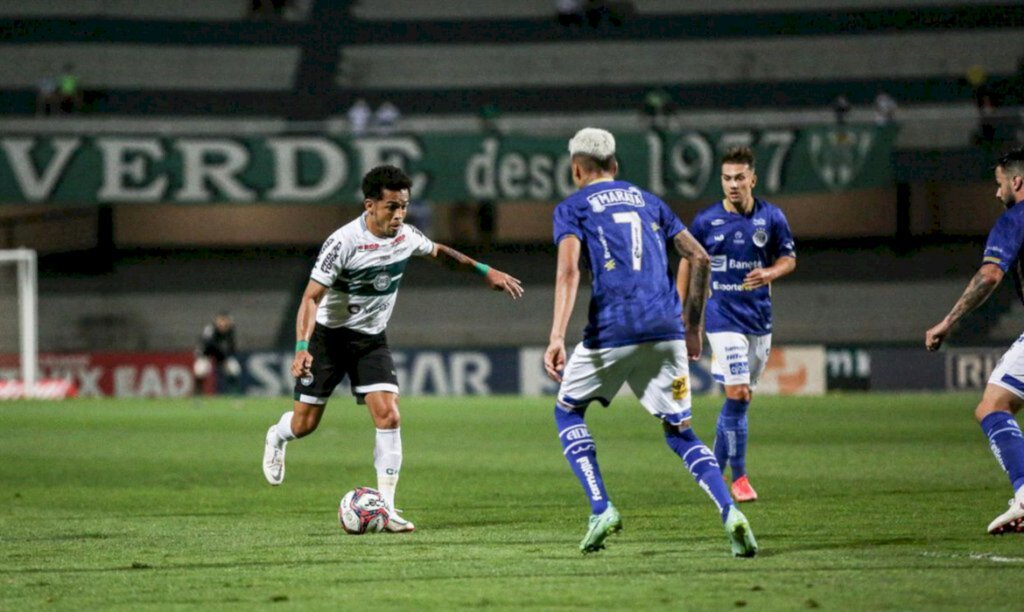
<point x="593" y="142"/>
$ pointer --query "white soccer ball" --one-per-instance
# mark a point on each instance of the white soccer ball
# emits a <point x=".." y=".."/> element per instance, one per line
<point x="363" y="510"/>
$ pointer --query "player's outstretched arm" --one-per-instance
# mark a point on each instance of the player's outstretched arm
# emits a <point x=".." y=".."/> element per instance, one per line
<point x="765" y="276"/>
<point x="496" y="279"/>
<point x="305" y="321"/>
<point x="567" y="282"/>
<point x="978" y="290"/>
<point x="697" y="271"/>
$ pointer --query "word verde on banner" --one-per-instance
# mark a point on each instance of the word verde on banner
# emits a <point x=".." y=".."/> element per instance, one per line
<point x="445" y="168"/>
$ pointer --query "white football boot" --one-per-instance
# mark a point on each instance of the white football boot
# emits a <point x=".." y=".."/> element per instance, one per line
<point x="273" y="457"/>
<point x="397" y="524"/>
<point x="1013" y="519"/>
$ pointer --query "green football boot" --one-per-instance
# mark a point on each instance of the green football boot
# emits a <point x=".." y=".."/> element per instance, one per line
<point x="600" y="527"/>
<point x="741" y="538"/>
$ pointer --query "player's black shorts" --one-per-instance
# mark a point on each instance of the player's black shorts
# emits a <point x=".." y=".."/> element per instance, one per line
<point x="337" y="353"/>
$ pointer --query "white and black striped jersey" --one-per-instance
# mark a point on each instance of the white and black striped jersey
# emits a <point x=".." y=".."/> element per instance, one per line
<point x="362" y="273"/>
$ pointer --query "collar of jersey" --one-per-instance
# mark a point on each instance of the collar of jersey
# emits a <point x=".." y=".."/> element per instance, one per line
<point x="739" y="214"/>
<point x="366" y="228"/>
<point x="599" y="181"/>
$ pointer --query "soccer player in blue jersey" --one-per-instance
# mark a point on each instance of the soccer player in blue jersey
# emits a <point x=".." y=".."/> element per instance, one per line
<point x="1004" y="394"/>
<point x="635" y="332"/>
<point x="750" y="246"/>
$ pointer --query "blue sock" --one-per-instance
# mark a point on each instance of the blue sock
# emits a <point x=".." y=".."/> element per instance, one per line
<point x="701" y="463"/>
<point x="1007" y="444"/>
<point x="580" y="451"/>
<point x="731" y="437"/>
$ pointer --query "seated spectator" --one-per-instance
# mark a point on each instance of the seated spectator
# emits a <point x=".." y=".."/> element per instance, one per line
<point x="68" y="91"/>
<point x="359" y="117"/>
<point x="570" y="12"/>
<point x="47" y="96"/>
<point x="385" y="120"/>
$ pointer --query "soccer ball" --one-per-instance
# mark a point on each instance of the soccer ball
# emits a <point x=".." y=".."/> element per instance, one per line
<point x="363" y="510"/>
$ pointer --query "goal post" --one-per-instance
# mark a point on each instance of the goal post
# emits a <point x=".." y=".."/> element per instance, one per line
<point x="28" y="312"/>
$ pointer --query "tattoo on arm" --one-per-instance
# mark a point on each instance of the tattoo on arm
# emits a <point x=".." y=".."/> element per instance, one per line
<point x="977" y="291"/>
<point x="452" y="258"/>
<point x="700" y="275"/>
<point x="695" y="297"/>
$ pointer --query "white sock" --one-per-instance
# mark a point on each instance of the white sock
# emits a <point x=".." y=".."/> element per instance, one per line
<point x="387" y="458"/>
<point x="284" y="428"/>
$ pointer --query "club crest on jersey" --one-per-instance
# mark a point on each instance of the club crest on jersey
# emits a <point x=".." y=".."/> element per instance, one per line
<point x="382" y="281"/>
<point x="615" y="197"/>
<point x="354" y="308"/>
<point x="760" y="238"/>
<point x="679" y="388"/>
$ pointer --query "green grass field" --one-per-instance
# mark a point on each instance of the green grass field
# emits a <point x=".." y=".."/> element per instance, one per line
<point x="867" y="502"/>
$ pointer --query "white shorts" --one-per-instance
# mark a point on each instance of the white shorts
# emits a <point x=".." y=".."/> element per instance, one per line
<point x="1009" y="372"/>
<point x="739" y="359"/>
<point x="658" y="373"/>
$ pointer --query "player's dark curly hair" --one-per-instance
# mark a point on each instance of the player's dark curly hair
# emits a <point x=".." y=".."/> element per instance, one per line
<point x="739" y="155"/>
<point x="384" y="177"/>
<point x="1012" y="161"/>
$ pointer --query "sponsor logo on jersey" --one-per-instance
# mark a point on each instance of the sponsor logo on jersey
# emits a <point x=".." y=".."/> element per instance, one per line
<point x="744" y="265"/>
<point x="718" y="263"/>
<point x="398" y="241"/>
<point x="719" y="237"/>
<point x="760" y="238"/>
<point x="737" y="238"/>
<point x="368" y="247"/>
<point x="717" y="286"/>
<point x="717" y="222"/>
<point x="760" y="222"/>
<point x="680" y="388"/>
<point x="616" y="197"/>
<point x="382" y="281"/>
<point x="330" y="258"/>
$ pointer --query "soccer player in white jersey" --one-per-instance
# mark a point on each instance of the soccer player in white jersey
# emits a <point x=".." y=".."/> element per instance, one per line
<point x="635" y="333"/>
<point x="341" y="321"/>
<point x="751" y="247"/>
<point x="1004" y="393"/>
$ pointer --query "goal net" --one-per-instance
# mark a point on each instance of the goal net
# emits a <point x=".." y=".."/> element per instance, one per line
<point x="25" y="278"/>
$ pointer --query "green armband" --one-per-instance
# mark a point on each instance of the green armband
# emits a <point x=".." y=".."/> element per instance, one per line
<point x="301" y="345"/>
<point x="482" y="268"/>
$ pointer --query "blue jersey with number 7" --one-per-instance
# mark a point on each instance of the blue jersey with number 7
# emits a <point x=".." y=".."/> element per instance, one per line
<point x="624" y="234"/>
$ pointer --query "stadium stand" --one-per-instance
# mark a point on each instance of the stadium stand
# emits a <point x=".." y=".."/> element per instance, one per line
<point x="166" y="66"/>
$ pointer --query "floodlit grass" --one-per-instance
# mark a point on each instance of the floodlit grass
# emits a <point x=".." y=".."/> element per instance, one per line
<point x="867" y="502"/>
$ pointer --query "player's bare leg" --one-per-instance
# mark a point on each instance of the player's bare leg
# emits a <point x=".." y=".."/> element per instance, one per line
<point x="300" y="422"/>
<point x="387" y="453"/>
<point x="996" y="413"/>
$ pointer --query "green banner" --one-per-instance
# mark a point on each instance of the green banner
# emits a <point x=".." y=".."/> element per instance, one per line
<point x="446" y="168"/>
